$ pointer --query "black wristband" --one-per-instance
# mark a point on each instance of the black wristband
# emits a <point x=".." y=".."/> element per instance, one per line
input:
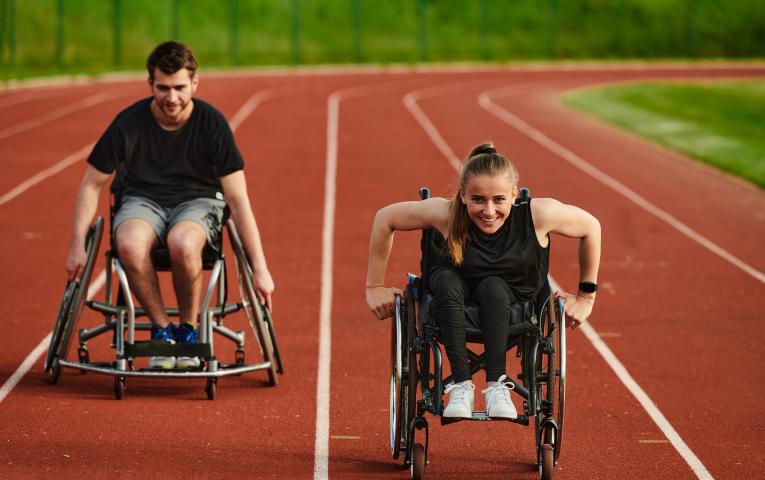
<point x="588" y="287"/>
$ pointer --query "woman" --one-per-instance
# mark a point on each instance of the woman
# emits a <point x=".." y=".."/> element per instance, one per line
<point x="497" y="254"/>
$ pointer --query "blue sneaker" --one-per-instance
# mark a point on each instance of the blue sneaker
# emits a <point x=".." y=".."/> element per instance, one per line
<point x="186" y="333"/>
<point x="163" y="334"/>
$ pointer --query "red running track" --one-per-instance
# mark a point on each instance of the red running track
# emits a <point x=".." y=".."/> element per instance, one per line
<point x="683" y="320"/>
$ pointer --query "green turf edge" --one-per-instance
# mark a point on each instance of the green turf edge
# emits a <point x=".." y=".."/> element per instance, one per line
<point x="718" y="137"/>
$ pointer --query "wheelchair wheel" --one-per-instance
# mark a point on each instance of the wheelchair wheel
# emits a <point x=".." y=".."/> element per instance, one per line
<point x="259" y="316"/>
<point x="403" y="377"/>
<point x="547" y="466"/>
<point x="417" y="469"/>
<point x="72" y="303"/>
<point x="119" y="388"/>
<point x="551" y="387"/>
<point x="211" y="388"/>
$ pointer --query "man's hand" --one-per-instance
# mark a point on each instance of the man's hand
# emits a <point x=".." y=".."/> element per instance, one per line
<point x="264" y="286"/>
<point x="75" y="262"/>
<point x="577" y="307"/>
<point x="381" y="300"/>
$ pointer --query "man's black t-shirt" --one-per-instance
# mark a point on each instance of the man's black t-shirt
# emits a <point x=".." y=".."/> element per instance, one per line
<point x="169" y="167"/>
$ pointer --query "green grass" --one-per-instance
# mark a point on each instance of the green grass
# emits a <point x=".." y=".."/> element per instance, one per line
<point x="721" y="123"/>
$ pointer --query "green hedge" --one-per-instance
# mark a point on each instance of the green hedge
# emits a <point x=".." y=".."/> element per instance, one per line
<point x="75" y="35"/>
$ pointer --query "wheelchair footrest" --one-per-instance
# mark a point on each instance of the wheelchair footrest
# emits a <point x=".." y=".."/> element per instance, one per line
<point x="164" y="349"/>
<point x="482" y="417"/>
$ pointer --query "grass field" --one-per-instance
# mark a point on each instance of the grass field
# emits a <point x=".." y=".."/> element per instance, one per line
<point x="721" y="123"/>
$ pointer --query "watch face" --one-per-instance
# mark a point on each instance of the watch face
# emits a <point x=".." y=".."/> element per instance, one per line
<point x="588" y="287"/>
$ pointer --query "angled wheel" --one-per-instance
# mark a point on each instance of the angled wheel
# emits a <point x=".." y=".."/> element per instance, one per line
<point x="403" y="376"/>
<point x="551" y="378"/>
<point x="72" y="303"/>
<point x="255" y="313"/>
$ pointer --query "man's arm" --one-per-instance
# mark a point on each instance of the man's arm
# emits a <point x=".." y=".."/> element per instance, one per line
<point x="235" y="192"/>
<point x="84" y="211"/>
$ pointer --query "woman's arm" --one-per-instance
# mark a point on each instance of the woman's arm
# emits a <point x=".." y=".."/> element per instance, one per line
<point x="405" y="216"/>
<point x="552" y="216"/>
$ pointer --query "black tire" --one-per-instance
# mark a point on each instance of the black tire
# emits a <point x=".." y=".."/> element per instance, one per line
<point x="417" y="469"/>
<point x="55" y="371"/>
<point x="119" y="388"/>
<point x="73" y="302"/>
<point x="397" y="388"/>
<point x="212" y="388"/>
<point x="547" y="465"/>
<point x="551" y="368"/>
<point x="255" y="313"/>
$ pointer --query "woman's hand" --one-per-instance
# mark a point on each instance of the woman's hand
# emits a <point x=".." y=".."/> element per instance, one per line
<point x="577" y="307"/>
<point x="381" y="300"/>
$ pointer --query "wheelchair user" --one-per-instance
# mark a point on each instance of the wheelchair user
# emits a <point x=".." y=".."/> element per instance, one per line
<point x="496" y="254"/>
<point x="176" y="158"/>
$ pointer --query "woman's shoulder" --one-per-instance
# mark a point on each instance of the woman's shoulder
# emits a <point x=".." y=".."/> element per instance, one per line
<point x="542" y="209"/>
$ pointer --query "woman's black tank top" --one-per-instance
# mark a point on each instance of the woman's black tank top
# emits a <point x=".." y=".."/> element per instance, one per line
<point x="512" y="253"/>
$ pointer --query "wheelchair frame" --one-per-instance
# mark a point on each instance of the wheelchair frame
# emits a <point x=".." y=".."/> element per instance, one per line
<point x="542" y="350"/>
<point x="120" y="320"/>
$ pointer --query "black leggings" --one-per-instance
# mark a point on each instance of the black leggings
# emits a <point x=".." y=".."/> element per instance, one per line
<point x="494" y="298"/>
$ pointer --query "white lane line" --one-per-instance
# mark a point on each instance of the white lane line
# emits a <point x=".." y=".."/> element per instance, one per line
<point x="648" y="405"/>
<point x="42" y="347"/>
<point x="485" y="100"/>
<point x="86" y="102"/>
<point x="16" y="99"/>
<point x="96" y="285"/>
<point x="321" y="447"/>
<point x="48" y="172"/>
<point x="642" y="397"/>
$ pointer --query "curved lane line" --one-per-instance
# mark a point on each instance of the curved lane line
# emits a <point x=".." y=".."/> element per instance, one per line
<point x="632" y="386"/>
<point x="86" y="102"/>
<point x="239" y="117"/>
<point x="485" y="100"/>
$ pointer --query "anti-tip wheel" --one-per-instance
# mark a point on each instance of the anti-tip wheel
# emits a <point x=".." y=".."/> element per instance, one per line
<point x="119" y="387"/>
<point x="212" y="388"/>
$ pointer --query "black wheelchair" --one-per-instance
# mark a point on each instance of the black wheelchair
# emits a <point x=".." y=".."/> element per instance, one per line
<point x="120" y="319"/>
<point x="416" y="361"/>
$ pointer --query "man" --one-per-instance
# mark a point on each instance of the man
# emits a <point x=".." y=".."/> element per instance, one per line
<point x="176" y="160"/>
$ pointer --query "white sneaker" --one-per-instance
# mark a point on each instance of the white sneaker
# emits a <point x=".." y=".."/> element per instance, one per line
<point x="460" y="400"/>
<point x="165" y="363"/>
<point x="187" y="362"/>
<point x="498" y="402"/>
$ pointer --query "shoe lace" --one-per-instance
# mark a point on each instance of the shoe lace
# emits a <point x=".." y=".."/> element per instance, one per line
<point x="499" y="391"/>
<point x="459" y="391"/>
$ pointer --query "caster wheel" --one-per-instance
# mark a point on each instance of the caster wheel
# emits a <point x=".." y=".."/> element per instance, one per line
<point x="119" y="388"/>
<point x="548" y="462"/>
<point x="418" y="462"/>
<point x="239" y="357"/>
<point x="55" y="371"/>
<point x="212" y="388"/>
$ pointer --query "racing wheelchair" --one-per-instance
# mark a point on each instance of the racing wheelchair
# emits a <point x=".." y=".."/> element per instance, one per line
<point x="416" y="366"/>
<point x="120" y="317"/>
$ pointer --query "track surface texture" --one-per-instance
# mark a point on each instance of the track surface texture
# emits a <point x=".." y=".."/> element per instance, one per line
<point x="683" y="320"/>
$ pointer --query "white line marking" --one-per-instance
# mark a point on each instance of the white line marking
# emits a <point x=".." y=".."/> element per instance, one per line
<point x="486" y="102"/>
<point x="632" y="386"/>
<point x="321" y="448"/>
<point x="42" y="347"/>
<point x="249" y="106"/>
<point x="48" y="172"/>
<point x="16" y="99"/>
<point x="58" y="113"/>
<point x="410" y="101"/>
<point x="645" y="401"/>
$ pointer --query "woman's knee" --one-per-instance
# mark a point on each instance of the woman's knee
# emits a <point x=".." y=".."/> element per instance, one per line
<point x="448" y="286"/>
<point x="494" y="290"/>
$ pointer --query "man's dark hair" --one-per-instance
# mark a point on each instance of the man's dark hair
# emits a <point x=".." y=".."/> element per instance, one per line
<point x="170" y="57"/>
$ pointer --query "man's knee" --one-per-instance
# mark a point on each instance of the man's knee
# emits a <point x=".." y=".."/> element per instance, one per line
<point x="185" y="242"/>
<point x="134" y="240"/>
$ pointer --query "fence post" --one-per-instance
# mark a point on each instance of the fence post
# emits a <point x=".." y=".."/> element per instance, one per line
<point x="357" y="54"/>
<point x="296" y="31"/>
<point x="117" y="27"/>
<point x="484" y="29"/>
<point x="553" y="27"/>
<point x="12" y="32"/>
<point x="59" y="33"/>
<point x="234" y="27"/>
<point x="175" y="28"/>
<point x="422" y="10"/>
<point x="691" y="30"/>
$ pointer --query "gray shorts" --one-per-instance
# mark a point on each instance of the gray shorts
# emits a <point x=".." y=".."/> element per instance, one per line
<point x="207" y="212"/>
